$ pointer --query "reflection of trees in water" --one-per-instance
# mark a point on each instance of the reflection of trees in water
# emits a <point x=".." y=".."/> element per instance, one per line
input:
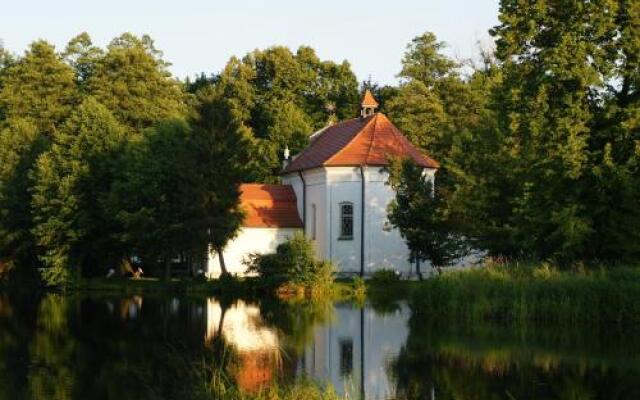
<point x="486" y="362"/>
<point x="17" y="326"/>
<point x="52" y="351"/>
<point x="70" y="348"/>
<point x="295" y="320"/>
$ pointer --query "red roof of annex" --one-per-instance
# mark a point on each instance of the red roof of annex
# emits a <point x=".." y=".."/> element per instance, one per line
<point x="269" y="206"/>
<point x="360" y="141"/>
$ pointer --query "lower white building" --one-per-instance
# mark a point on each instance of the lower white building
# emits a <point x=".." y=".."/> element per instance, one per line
<point x="337" y="188"/>
<point x="271" y="218"/>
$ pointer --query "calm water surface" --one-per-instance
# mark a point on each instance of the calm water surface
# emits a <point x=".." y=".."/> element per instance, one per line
<point x="148" y="347"/>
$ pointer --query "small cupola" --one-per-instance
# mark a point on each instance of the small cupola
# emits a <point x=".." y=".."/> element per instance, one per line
<point x="369" y="104"/>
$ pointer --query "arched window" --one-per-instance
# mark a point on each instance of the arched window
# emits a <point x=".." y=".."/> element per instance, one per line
<point x="346" y="221"/>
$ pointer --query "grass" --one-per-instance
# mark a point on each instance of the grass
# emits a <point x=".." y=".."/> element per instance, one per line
<point x="301" y="390"/>
<point x="337" y="290"/>
<point x="515" y="293"/>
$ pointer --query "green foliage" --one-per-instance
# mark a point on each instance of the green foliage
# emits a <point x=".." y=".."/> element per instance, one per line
<point x="385" y="277"/>
<point x="131" y="80"/>
<point x="517" y="293"/>
<point x="282" y="97"/>
<point x="20" y="146"/>
<point x="560" y="127"/>
<point x="38" y="87"/>
<point x="155" y="195"/>
<point x="538" y="148"/>
<point x="293" y="262"/>
<point x="71" y="180"/>
<point x="419" y="212"/>
<point x="220" y="136"/>
<point x="83" y="57"/>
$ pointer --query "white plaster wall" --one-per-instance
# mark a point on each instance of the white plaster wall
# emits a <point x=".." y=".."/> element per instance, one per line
<point x="316" y="193"/>
<point x="296" y="183"/>
<point x="344" y="185"/>
<point x="384" y="246"/>
<point x="330" y="186"/>
<point x="249" y="240"/>
<point x="383" y="334"/>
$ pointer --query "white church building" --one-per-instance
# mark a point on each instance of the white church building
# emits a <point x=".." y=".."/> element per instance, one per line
<point x="336" y="192"/>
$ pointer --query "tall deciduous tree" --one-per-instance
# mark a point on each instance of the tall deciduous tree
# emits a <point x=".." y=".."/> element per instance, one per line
<point x="567" y="93"/>
<point x="155" y="197"/>
<point x="283" y="97"/>
<point x="132" y="81"/>
<point x="71" y="181"/>
<point x="20" y="146"/>
<point x="83" y="56"/>
<point x="39" y="87"/>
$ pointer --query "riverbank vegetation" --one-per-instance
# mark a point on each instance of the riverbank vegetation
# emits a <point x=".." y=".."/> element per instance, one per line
<point x="534" y="293"/>
<point x="293" y="269"/>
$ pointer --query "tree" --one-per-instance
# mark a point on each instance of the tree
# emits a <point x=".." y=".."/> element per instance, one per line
<point x="282" y="98"/>
<point x="223" y="143"/>
<point x="423" y="61"/>
<point x="132" y="81"/>
<point x="419" y="211"/>
<point x="71" y="181"/>
<point x="420" y="114"/>
<point x="155" y="197"/>
<point x="39" y="87"/>
<point x="20" y="145"/>
<point x="566" y="126"/>
<point x="83" y="56"/>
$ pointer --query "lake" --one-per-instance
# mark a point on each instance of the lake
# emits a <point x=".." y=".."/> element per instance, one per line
<point x="55" y="346"/>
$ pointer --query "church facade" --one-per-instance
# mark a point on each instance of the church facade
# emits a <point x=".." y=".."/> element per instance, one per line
<point x="340" y="189"/>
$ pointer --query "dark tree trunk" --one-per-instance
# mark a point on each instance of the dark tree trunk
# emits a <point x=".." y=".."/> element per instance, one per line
<point x="167" y="268"/>
<point x="223" y="266"/>
<point x="221" y="323"/>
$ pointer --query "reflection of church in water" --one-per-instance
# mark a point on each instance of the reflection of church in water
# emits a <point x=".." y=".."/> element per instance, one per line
<point x="353" y="352"/>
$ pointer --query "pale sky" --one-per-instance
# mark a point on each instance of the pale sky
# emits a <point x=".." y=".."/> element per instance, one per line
<point x="200" y="36"/>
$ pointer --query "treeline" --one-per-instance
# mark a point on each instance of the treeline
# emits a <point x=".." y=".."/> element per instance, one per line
<point x="105" y="156"/>
<point x="540" y="145"/>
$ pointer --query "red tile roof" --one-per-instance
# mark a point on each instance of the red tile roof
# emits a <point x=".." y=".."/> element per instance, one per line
<point x="269" y="206"/>
<point x="360" y="141"/>
<point x="368" y="100"/>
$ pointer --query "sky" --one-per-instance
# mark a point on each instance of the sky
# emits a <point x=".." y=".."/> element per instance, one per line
<point x="200" y="36"/>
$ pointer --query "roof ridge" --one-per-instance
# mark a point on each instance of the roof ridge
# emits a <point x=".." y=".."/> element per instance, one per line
<point x="320" y="134"/>
<point x="373" y="137"/>
<point x="351" y="140"/>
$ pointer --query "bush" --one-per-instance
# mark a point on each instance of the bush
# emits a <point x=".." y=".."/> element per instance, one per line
<point x="359" y="289"/>
<point x="385" y="277"/>
<point x="293" y="263"/>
